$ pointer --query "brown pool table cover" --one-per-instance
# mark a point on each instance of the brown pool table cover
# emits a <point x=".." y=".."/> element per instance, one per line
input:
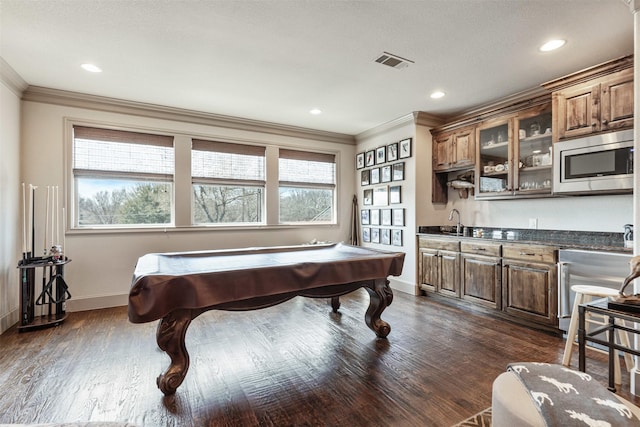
<point x="166" y="282"/>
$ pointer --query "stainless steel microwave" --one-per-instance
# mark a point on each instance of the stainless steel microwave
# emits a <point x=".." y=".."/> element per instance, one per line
<point x="595" y="164"/>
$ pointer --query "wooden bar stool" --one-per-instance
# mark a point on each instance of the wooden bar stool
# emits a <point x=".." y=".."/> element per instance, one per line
<point x="585" y="294"/>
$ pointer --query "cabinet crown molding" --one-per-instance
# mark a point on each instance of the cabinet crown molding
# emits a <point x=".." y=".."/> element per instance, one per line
<point x="510" y="105"/>
<point x="590" y="73"/>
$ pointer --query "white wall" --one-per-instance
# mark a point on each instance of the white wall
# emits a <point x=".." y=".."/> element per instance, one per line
<point x="103" y="263"/>
<point x="384" y="135"/>
<point x="9" y="198"/>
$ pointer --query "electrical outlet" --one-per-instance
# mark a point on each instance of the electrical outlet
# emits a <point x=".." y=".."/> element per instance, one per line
<point x="533" y="223"/>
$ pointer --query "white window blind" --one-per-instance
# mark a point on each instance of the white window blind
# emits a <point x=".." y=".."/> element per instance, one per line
<point x="302" y="167"/>
<point x="105" y="151"/>
<point x="228" y="162"/>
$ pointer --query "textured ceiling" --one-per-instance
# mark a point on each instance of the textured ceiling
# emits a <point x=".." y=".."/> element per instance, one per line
<point x="275" y="60"/>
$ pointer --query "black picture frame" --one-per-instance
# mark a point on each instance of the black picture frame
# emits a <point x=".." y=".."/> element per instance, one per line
<point x="385" y="173"/>
<point x="375" y="235"/>
<point x="398" y="217"/>
<point x="364" y="216"/>
<point x="375" y="217"/>
<point x="404" y="148"/>
<point x="365" y="177"/>
<point x="396" y="237"/>
<point x="367" y="197"/>
<point x="385" y="217"/>
<point x="366" y="234"/>
<point x="381" y="155"/>
<point x="398" y="171"/>
<point x="385" y="236"/>
<point x="375" y="176"/>
<point x="370" y="158"/>
<point x="392" y="152"/>
<point x="359" y="161"/>
<point x="395" y="194"/>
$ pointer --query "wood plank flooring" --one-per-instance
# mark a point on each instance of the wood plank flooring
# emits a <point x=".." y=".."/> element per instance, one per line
<point x="296" y="364"/>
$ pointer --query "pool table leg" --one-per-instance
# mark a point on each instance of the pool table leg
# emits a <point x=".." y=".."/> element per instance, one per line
<point x="170" y="338"/>
<point x="380" y="296"/>
<point x="335" y="304"/>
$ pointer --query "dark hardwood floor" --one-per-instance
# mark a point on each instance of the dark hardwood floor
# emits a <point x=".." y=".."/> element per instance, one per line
<point x="296" y="364"/>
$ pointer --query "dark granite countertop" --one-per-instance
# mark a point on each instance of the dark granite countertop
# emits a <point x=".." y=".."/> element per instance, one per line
<point x="563" y="239"/>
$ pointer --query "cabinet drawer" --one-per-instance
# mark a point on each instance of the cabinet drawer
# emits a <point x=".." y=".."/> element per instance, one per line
<point x="533" y="253"/>
<point x="480" y="248"/>
<point x="444" y="244"/>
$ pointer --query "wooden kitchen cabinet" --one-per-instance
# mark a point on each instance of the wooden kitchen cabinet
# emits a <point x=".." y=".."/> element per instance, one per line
<point x="454" y="150"/>
<point x="515" y="280"/>
<point x="495" y="154"/>
<point x="481" y="274"/>
<point x="514" y="155"/>
<point x="598" y="99"/>
<point x="439" y="265"/>
<point x="529" y="283"/>
<point x="442" y="151"/>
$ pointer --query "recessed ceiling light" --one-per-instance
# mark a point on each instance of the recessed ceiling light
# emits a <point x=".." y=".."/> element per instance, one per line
<point x="437" y="94"/>
<point x="552" y="45"/>
<point x="91" y="68"/>
<point x="315" y="111"/>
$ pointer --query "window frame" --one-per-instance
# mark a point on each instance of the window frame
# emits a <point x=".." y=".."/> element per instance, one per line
<point x="73" y="217"/>
<point x="182" y="220"/>
<point x="206" y="145"/>
<point x="313" y="156"/>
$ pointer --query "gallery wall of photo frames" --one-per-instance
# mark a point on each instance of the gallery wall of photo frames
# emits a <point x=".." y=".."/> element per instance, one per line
<point x="381" y="175"/>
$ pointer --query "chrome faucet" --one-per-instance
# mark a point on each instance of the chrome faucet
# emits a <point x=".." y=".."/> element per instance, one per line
<point x="458" y="225"/>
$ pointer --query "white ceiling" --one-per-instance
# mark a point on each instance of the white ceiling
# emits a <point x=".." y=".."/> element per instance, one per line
<point x="274" y="60"/>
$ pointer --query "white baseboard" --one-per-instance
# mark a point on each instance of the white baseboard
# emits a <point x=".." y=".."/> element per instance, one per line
<point x="402" y="286"/>
<point x="9" y="320"/>
<point x="74" y="304"/>
<point x="96" y="303"/>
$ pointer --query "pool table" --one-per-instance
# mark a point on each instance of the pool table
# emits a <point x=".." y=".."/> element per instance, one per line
<point x="178" y="287"/>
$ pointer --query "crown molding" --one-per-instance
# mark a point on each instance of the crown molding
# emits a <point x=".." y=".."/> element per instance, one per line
<point x="114" y="105"/>
<point x="385" y="127"/>
<point x="511" y="104"/>
<point x="590" y="73"/>
<point x="421" y="118"/>
<point x="11" y="78"/>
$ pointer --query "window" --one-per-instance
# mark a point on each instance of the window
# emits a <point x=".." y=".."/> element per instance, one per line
<point x="122" y="178"/>
<point x="307" y="186"/>
<point x="228" y="182"/>
<point x="129" y="179"/>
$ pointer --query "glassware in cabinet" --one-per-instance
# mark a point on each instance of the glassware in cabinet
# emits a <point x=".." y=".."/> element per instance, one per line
<point x="494" y="154"/>
<point x="534" y="151"/>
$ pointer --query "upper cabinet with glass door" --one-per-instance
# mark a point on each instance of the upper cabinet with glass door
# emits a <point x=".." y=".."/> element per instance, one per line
<point x="514" y="155"/>
<point x="532" y="172"/>
<point x="494" y="152"/>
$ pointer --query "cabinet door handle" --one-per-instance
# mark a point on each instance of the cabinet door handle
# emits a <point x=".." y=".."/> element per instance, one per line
<point x="479" y="249"/>
<point x="605" y="122"/>
<point x="527" y="254"/>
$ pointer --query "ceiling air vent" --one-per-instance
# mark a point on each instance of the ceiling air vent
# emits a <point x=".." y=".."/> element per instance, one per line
<point x="393" y="61"/>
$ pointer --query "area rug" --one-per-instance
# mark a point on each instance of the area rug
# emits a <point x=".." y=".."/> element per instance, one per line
<point x="481" y="419"/>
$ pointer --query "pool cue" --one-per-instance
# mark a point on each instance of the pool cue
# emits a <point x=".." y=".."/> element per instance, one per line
<point x="46" y="223"/>
<point x="33" y="225"/>
<point x="24" y="223"/>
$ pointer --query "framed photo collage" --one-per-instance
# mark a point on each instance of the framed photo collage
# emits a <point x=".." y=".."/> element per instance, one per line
<point x="381" y="174"/>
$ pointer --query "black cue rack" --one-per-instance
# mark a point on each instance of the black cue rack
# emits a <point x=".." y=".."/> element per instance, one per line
<point x="45" y="307"/>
